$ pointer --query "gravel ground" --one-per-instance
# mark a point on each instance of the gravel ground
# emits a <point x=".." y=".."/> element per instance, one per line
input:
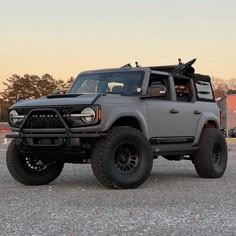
<point x="173" y="201"/>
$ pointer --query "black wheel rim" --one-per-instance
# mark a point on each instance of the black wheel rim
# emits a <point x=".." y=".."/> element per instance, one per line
<point x="216" y="154"/>
<point x="126" y="158"/>
<point x="35" y="164"/>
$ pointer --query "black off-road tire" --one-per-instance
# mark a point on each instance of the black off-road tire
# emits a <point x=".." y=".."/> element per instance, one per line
<point x="211" y="159"/>
<point x="123" y="159"/>
<point x="36" y="173"/>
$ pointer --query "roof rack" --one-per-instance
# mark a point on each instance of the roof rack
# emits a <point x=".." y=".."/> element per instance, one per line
<point x="181" y="68"/>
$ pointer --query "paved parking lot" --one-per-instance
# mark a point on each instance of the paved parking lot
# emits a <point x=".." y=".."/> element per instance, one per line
<point x="173" y="201"/>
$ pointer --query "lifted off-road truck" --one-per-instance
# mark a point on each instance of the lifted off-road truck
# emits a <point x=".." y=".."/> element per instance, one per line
<point x="119" y="120"/>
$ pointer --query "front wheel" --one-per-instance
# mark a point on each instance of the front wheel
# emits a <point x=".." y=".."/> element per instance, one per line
<point x="29" y="170"/>
<point x="123" y="159"/>
<point x="211" y="159"/>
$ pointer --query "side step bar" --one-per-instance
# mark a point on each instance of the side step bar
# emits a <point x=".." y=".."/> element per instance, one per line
<point x="179" y="149"/>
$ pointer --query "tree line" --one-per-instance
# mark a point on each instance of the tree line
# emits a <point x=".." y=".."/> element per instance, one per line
<point x="34" y="86"/>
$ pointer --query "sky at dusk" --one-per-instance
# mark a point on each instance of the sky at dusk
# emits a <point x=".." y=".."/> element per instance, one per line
<point x="65" y="37"/>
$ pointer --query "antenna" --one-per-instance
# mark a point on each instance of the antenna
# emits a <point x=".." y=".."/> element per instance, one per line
<point x="180" y="61"/>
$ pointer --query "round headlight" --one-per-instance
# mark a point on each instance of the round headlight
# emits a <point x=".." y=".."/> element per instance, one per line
<point x="89" y="115"/>
<point x="13" y="116"/>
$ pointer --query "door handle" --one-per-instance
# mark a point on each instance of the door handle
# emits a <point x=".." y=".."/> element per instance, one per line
<point x="173" y="110"/>
<point x="197" y="112"/>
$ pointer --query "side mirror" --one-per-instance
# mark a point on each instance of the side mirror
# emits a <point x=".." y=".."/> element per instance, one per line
<point x="157" y="91"/>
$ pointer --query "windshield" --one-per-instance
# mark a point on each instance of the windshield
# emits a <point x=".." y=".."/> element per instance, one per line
<point x="126" y="83"/>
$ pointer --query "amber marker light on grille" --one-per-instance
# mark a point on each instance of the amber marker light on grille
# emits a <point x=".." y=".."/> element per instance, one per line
<point x="99" y="114"/>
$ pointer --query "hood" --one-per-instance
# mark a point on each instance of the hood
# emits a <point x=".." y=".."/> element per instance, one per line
<point x="59" y="100"/>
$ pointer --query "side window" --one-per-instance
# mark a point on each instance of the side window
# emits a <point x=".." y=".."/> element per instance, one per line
<point x="204" y="90"/>
<point x="183" y="89"/>
<point x="159" y="81"/>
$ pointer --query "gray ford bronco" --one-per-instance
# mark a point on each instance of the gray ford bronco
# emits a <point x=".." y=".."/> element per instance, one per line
<point x="119" y="120"/>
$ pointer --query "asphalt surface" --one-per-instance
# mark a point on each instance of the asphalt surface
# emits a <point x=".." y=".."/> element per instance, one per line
<point x="173" y="201"/>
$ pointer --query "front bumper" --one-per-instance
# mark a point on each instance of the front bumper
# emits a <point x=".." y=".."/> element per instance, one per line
<point x="52" y="146"/>
<point x="60" y="142"/>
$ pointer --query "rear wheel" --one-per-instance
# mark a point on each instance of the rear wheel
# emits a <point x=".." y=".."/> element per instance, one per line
<point x="29" y="170"/>
<point x="211" y="159"/>
<point x="123" y="159"/>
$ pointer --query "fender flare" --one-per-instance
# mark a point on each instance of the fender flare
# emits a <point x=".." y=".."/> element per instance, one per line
<point x="136" y="115"/>
<point x="206" y="117"/>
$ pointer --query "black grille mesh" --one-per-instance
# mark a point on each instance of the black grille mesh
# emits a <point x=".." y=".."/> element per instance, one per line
<point x="43" y="119"/>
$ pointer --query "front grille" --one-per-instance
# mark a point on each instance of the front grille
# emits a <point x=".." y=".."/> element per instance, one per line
<point x="50" y="116"/>
<point x="43" y="120"/>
